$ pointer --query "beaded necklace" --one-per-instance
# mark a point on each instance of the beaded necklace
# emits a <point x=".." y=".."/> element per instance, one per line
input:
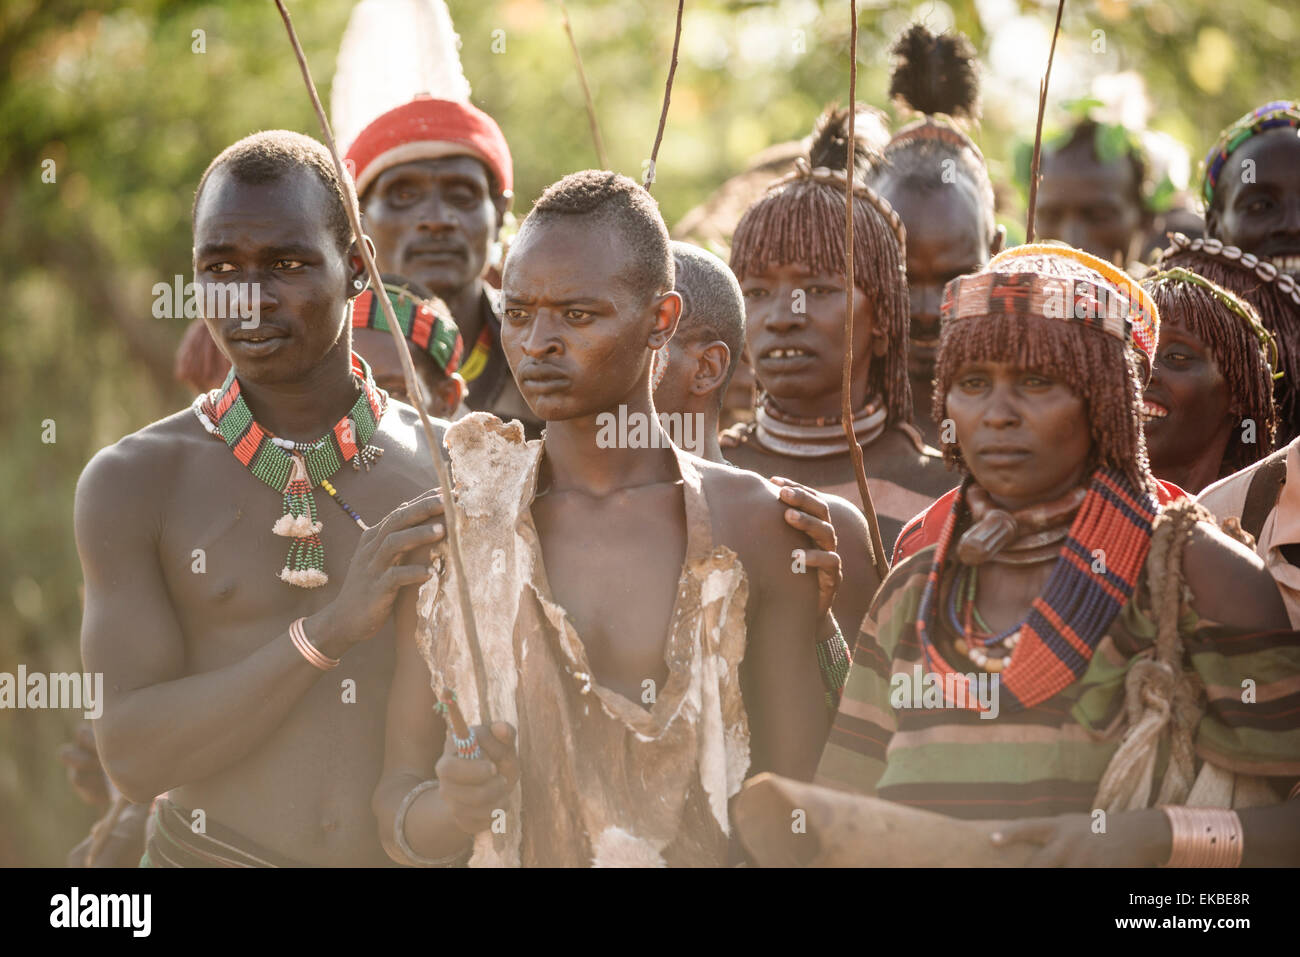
<point x="1080" y="600"/>
<point x="293" y="468"/>
<point x="810" y="438"/>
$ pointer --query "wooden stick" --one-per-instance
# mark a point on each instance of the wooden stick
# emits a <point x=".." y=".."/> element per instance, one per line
<point x="846" y="385"/>
<point x="1038" y="130"/>
<point x="586" y="92"/>
<point x="668" y="95"/>
<point x="440" y="465"/>
<point x="842" y="829"/>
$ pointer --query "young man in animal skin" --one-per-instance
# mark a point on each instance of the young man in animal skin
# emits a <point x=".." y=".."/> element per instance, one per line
<point x="620" y="667"/>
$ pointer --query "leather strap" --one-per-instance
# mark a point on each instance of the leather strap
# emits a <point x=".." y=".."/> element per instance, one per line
<point x="1265" y="489"/>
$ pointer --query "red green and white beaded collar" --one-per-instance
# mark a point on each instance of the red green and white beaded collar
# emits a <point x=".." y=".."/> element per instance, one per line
<point x="293" y="468"/>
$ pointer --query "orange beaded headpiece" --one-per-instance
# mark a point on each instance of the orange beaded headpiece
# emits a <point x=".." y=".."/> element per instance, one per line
<point x="1141" y="314"/>
<point x="1070" y="316"/>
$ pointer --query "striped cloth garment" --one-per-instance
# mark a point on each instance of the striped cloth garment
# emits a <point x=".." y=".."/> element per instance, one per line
<point x="1049" y="758"/>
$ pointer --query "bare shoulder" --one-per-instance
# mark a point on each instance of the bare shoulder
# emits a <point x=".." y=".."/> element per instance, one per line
<point x="748" y="517"/>
<point x="847" y="518"/>
<point x="402" y="425"/>
<point x="1229" y="582"/>
<point x="127" y="477"/>
<point x="402" y="438"/>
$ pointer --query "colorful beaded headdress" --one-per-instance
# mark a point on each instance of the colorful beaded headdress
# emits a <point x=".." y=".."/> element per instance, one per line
<point x="1119" y="307"/>
<point x="426" y="322"/>
<point x="931" y="128"/>
<point x="1279" y="113"/>
<point x="293" y="468"/>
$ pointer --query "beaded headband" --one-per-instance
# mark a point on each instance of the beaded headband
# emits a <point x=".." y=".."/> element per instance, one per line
<point x="425" y="322"/>
<point x="931" y="129"/>
<point x="1278" y="113"/>
<point x="1095" y="305"/>
<point x="836" y="177"/>
<point x="1262" y="268"/>
<point x="1226" y="298"/>
<point x="1142" y="315"/>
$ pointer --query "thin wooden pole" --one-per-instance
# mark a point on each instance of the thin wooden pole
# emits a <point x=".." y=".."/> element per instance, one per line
<point x="440" y="464"/>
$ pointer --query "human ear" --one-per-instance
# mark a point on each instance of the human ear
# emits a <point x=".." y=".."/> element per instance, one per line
<point x="451" y="389"/>
<point x="357" y="271"/>
<point x="668" y="310"/>
<point x="711" y="366"/>
<point x="999" y="240"/>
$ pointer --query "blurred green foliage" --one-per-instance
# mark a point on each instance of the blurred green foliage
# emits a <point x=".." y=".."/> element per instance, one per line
<point x="116" y="96"/>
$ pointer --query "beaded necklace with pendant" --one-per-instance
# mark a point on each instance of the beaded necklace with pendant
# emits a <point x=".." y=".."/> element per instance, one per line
<point x="294" y="468"/>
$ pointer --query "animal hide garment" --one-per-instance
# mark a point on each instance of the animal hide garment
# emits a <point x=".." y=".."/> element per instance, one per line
<point x="604" y="782"/>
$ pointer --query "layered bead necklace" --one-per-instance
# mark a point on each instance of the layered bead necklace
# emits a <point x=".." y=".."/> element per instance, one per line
<point x="293" y="468"/>
<point x="1096" y="568"/>
<point x="1029" y="536"/>
<point x="811" y="438"/>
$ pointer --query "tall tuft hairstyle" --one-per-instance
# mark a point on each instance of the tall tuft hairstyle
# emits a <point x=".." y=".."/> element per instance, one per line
<point x="800" y="219"/>
<point x="830" y="144"/>
<point x="1275" y="300"/>
<point x="1232" y="332"/>
<point x="936" y="74"/>
<point x="1095" y="365"/>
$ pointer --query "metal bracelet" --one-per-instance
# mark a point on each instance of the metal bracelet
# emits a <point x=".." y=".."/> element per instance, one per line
<point x="399" y="833"/>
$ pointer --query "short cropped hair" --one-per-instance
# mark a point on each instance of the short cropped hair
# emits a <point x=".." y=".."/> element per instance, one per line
<point x="713" y="307"/>
<point x="272" y="155"/>
<point x="611" y="199"/>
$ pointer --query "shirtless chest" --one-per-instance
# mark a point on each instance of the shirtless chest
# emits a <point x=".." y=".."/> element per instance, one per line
<point x="614" y="565"/>
<point x="221" y="560"/>
<point x="310" y="781"/>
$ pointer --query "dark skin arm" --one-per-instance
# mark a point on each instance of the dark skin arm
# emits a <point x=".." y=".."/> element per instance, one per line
<point x="1270" y="838"/>
<point x="1230" y="585"/>
<point x="788" y="719"/>
<point x="161" y="727"/>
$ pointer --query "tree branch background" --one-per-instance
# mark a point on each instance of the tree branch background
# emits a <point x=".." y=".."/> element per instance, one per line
<point x="131" y="115"/>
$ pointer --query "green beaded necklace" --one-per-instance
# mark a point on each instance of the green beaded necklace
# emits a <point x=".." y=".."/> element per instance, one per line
<point x="293" y="468"/>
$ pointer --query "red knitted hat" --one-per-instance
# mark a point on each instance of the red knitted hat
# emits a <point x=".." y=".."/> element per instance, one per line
<point x="426" y="128"/>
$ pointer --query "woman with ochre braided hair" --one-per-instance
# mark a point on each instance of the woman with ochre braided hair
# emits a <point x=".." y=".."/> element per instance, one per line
<point x="788" y="254"/>
<point x="1275" y="297"/>
<point x="1114" y="632"/>
<point x="1208" y="410"/>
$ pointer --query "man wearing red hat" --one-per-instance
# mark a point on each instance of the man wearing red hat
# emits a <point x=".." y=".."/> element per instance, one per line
<point x="435" y="181"/>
